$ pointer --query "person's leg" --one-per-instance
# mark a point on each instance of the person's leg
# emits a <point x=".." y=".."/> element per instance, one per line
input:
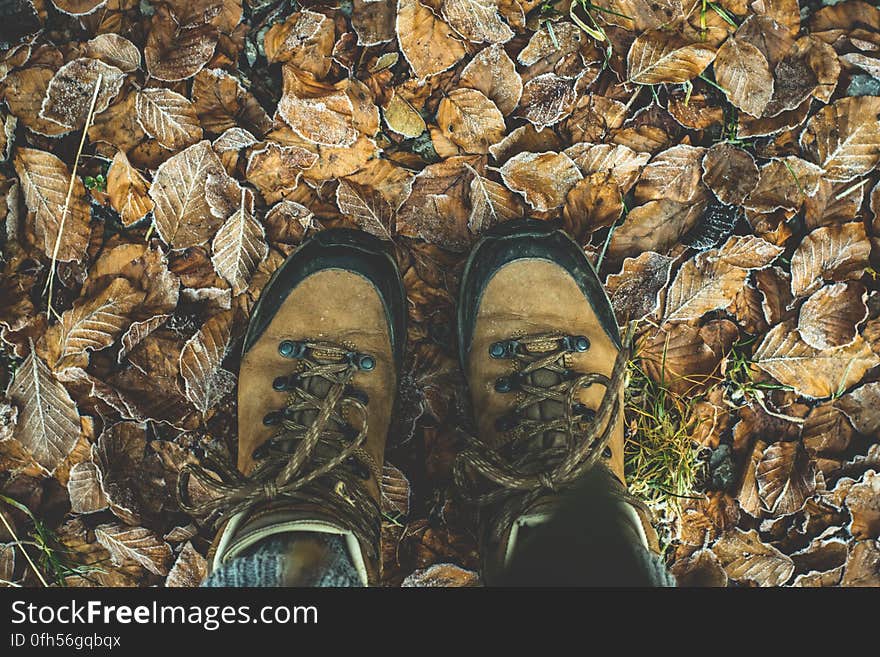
<point x="319" y="370"/>
<point x="545" y="364"/>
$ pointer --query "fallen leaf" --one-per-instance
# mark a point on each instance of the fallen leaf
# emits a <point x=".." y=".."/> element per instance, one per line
<point x="703" y="284"/>
<point x="44" y="181"/>
<point x="654" y="226"/>
<point x="730" y="172"/>
<point x="189" y="570"/>
<point x="830" y="316"/>
<point x="476" y="20"/>
<point x="492" y="72"/>
<point x="744" y="74"/>
<point x="367" y="207"/>
<point x="491" y="204"/>
<point x="135" y="544"/>
<point x="115" y="50"/>
<point x="619" y="164"/>
<point x="543" y="179"/>
<point x="844" y="138"/>
<point x="206" y="382"/>
<point x="786" y="478"/>
<point x="862" y="565"/>
<point x="863" y="502"/>
<point x="673" y="175"/>
<point x="85" y="490"/>
<point x="471" y="120"/>
<point x="24" y="91"/>
<point x="48" y="423"/>
<point x="78" y="7"/>
<point x="396" y="491"/>
<point x="70" y="91"/>
<point x="784" y="184"/>
<point x="701" y="569"/>
<point x="746" y="559"/>
<point x="275" y="170"/>
<point x="168" y="117"/>
<point x="127" y="190"/>
<point x="320" y="114"/>
<point x="862" y="407"/>
<point x="658" y="57"/>
<point x="836" y="253"/>
<point x="442" y="574"/>
<point x="635" y="291"/>
<point x="222" y="103"/>
<point x="547" y="99"/>
<point x="826" y="431"/>
<point x="426" y="41"/>
<point x="402" y="118"/>
<point x="239" y="245"/>
<point x="177" y="52"/>
<point x="304" y="40"/>
<point x="812" y="372"/>
<point x="181" y="212"/>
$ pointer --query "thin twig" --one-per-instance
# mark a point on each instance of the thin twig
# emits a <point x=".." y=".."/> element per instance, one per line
<point x="26" y="555"/>
<point x="82" y="142"/>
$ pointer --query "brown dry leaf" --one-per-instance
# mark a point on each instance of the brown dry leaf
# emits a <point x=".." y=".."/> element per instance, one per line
<point x="833" y="204"/>
<point x="135" y="545"/>
<point x="206" y="382"/>
<point x="784" y="183"/>
<point x="168" y="117"/>
<point x="744" y="74"/>
<point x="275" y="170"/>
<point x="862" y="407"/>
<point x="746" y="559"/>
<point x="491" y="204"/>
<point x="44" y="180"/>
<point x="426" y="41"/>
<point x="24" y="91"/>
<point x="862" y="565"/>
<point x="703" y="284"/>
<point x="222" y="103"/>
<point x="635" y="290"/>
<point x="547" y="99"/>
<point x="673" y="175"/>
<point x="396" y="491"/>
<point x="830" y="316"/>
<point x="127" y="190"/>
<point x="70" y="92"/>
<point x="402" y="118"/>
<point x="593" y="202"/>
<point x="78" y="7"/>
<point x="471" y="120"/>
<point x="810" y="68"/>
<point x="91" y="325"/>
<point x="621" y="164"/>
<point x="477" y="20"/>
<point x="658" y="57"/>
<point x="189" y="570"/>
<point x="786" y="477"/>
<point x="747" y="495"/>
<point x="654" y="226"/>
<point x="544" y="179"/>
<point x="119" y="455"/>
<point x="373" y="22"/>
<point x="367" y="207"/>
<point x="115" y="50"/>
<point x="834" y="253"/>
<point x="844" y="138"/>
<point x="593" y="118"/>
<point x="438" y="208"/>
<point x="826" y="431"/>
<point x="85" y="490"/>
<point x="319" y="113"/>
<point x="677" y="355"/>
<point x="239" y="245"/>
<point x="48" y="423"/>
<point x="181" y="211"/>
<point x="701" y="569"/>
<point x="304" y="40"/>
<point x="785" y="12"/>
<point x="812" y="372"/>
<point x="730" y="172"/>
<point x="863" y="502"/>
<point x="442" y="574"/>
<point x="492" y="72"/>
<point x="177" y="52"/>
<point x="7" y="563"/>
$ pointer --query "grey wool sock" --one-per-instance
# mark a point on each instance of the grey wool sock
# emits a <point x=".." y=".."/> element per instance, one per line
<point x="295" y="559"/>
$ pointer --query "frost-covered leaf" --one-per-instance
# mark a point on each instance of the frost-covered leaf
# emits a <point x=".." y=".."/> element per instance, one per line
<point x="786" y="478"/>
<point x="844" y="138"/>
<point x="658" y="57"/>
<point x="442" y="574"/>
<point x="830" y="316"/>
<point x="85" y="489"/>
<point x="834" y="253"/>
<point x="476" y="20"/>
<point x="177" y="52"/>
<point x="168" y="117"/>
<point x="135" y="545"/>
<point x="544" y="179"/>
<point x="672" y="175"/>
<point x="127" y="190"/>
<point x="744" y="74"/>
<point x="396" y="491"/>
<point x="730" y="172"/>
<point x="206" y="382"/>
<point x="115" y="50"/>
<point x="426" y="40"/>
<point x="189" y="570"/>
<point x="746" y="559"/>
<point x="239" y="246"/>
<point x="812" y="372"/>
<point x="366" y="206"/>
<point x="492" y="72"/>
<point x="70" y="92"/>
<point x="48" y="423"/>
<point x="471" y="120"/>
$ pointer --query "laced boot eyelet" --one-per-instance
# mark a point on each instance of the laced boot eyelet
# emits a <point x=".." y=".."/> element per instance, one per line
<point x="607" y="453"/>
<point x="503" y="349"/>
<point x="363" y="362"/>
<point x="576" y="343"/>
<point x="260" y="451"/>
<point x="272" y="418"/>
<point x="505" y="384"/>
<point x="280" y="383"/>
<point x="291" y="349"/>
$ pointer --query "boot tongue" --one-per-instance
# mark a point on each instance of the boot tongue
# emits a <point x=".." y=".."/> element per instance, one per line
<point x="547" y="409"/>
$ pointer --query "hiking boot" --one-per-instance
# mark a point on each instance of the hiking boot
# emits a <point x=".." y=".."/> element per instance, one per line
<point x="316" y="388"/>
<point x="541" y="350"/>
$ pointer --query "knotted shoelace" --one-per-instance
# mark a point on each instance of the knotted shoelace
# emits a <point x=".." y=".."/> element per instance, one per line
<point x="306" y="474"/>
<point x="515" y="474"/>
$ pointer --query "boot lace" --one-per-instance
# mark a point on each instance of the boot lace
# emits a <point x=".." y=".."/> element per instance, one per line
<point x="517" y="472"/>
<point x="316" y="457"/>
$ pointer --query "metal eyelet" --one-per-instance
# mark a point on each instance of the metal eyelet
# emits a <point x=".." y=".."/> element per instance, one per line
<point x="504" y="384"/>
<point x="607" y="452"/>
<point x="503" y="349"/>
<point x="271" y="418"/>
<point x="576" y="343"/>
<point x="280" y="383"/>
<point x="363" y="362"/>
<point x="291" y="349"/>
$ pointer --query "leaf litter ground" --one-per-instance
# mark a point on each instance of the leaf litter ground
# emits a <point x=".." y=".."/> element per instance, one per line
<point x="717" y="161"/>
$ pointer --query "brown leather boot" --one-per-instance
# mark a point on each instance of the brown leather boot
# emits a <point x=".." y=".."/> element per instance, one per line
<point x="541" y="350"/>
<point x="316" y="389"/>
